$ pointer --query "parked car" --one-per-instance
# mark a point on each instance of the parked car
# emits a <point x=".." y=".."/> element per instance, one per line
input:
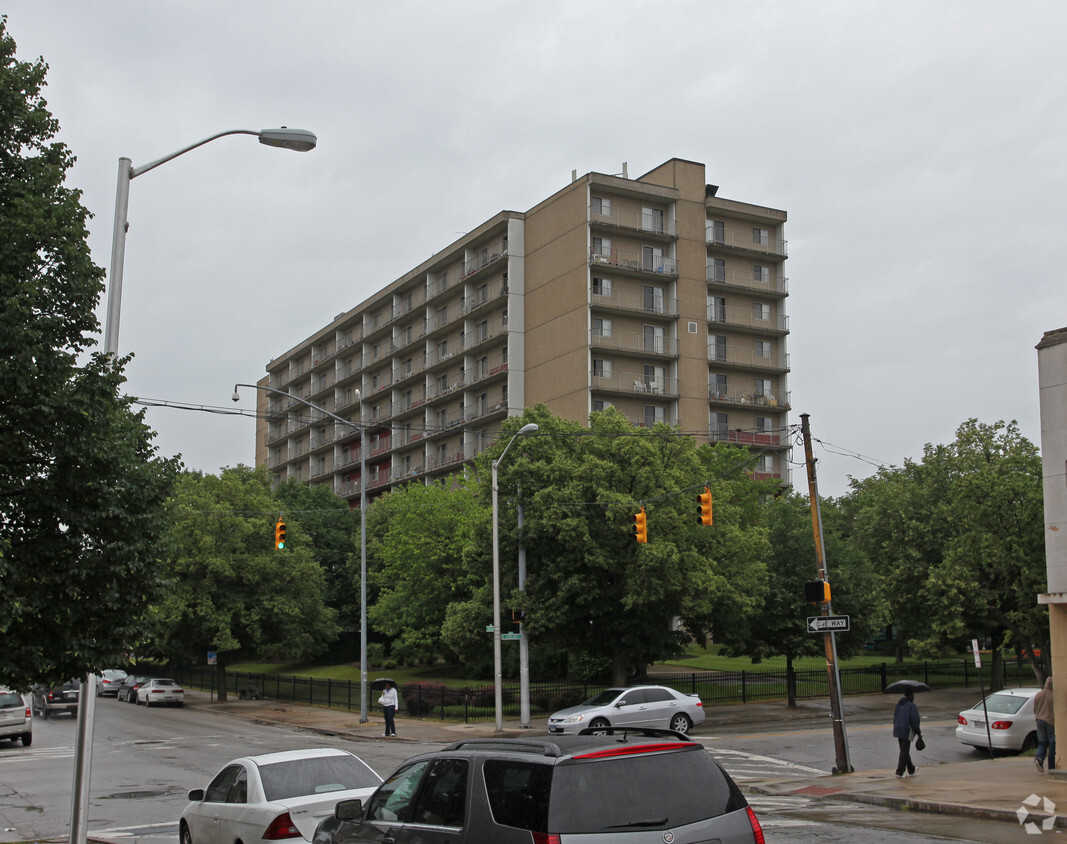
<point x="276" y="795"/>
<point x="109" y="680"/>
<point x="1011" y="721"/>
<point x="635" y="785"/>
<point x="127" y="690"/>
<point x="52" y="700"/>
<point x="633" y="706"/>
<point x="16" y="721"/>
<point x="159" y="691"/>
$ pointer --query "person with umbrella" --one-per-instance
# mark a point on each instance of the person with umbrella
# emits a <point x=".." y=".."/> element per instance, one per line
<point x="905" y="726"/>
<point x="388" y="701"/>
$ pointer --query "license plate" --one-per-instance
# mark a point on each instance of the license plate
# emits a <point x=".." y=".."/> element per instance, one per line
<point x="979" y="724"/>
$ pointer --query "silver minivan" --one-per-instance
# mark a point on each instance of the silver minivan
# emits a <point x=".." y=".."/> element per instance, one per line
<point x="16" y="723"/>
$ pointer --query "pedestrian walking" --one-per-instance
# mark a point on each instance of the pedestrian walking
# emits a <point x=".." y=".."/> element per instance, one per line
<point x="906" y="726"/>
<point x="389" y="701"/>
<point x="1046" y="732"/>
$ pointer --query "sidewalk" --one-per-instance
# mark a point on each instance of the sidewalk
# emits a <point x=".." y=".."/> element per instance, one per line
<point x="1007" y="789"/>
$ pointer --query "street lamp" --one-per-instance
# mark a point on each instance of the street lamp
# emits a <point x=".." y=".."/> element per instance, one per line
<point x="299" y="140"/>
<point x="497" y="671"/>
<point x="362" y="526"/>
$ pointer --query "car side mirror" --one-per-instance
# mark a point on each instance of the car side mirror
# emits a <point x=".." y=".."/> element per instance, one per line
<point x="348" y="810"/>
<point x="196" y="795"/>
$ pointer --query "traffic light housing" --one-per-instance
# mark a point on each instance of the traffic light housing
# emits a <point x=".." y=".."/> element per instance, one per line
<point x="517" y="616"/>
<point x="704" y="510"/>
<point x="641" y="526"/>
<point x="279" y="535"/>
<point x="816" y="592"/>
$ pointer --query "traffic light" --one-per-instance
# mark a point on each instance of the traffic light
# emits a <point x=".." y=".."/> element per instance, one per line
<point x="517" y="616"/>
<point x="704" y="499"/>
<point x="816" y="592"/>
<point x="641" y="526"/>
<point x="279" y="535"/>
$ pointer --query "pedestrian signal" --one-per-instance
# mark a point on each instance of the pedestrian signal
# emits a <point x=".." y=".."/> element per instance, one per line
<point x="816" y="592"/>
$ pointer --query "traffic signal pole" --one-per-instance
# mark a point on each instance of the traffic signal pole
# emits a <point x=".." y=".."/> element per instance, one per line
<point x="844" y="765"/>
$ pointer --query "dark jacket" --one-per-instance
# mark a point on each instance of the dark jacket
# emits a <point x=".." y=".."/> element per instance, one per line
<point x="906" y="719"/>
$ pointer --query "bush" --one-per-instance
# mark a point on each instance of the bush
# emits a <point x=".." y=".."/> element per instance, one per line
<point x="422" y="698"/>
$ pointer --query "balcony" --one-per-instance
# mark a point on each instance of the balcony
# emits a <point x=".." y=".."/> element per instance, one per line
<point x="750" y="398"/>
<point x="759" y="439"/>
<point x="744" y="240"/>
<point x="633" y="342"/>
<point x="639" y="221"/>
<point x="746" y="318"/>
<point x="633" y="382"/>
<point x="649" y="421"/>
<point x="747" y="358"/>
<point x="635" y="260"/>
<point x="768" y="284"/>
<point x="496" y="365"/>
<point x="645" y="302"/>
<point x="484" y="332"/>
<point x="485" y="258"/>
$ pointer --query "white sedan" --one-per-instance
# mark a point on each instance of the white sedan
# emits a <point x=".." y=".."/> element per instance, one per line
<point x="276" y="795"/>
<point x="1010" y="718"/>
<point x="160" y="691"/>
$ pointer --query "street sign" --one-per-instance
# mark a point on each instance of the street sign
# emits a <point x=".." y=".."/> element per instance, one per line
<point x="489" y="628"/>
<point x="510" y="637"/>
<point x="826" y="623"/>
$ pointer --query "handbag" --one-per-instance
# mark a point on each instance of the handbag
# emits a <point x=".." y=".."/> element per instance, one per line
<point x="919" y="743"/>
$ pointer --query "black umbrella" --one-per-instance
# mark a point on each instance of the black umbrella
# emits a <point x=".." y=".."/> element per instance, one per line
<point x="901" y="686"/>
<point x="380" y="683"/>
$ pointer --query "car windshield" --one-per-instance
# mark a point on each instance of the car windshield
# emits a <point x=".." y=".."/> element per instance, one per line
<point x="8" y="699"/>
<point x="1003" y="704"/>
<point x="315" y="775"/>
<point x="604" y="698"/>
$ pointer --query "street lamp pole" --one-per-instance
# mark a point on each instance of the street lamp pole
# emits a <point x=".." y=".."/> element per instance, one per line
<point x="299" y="140"/>
<point x="498" y="693"/>
<point x="362" y="526"/>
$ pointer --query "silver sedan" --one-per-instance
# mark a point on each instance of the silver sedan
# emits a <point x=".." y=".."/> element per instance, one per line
<point x="632" y="706"/>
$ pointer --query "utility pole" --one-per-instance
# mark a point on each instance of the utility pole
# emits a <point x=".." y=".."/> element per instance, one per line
<point x="844" y="766"/>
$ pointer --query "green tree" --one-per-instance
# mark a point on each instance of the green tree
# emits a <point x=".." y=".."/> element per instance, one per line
<point x="82" y="491"/>
<point x="417" y="538"/>
<point x="960" y="540"/>
<point x="229" y="590"/>
<point x="591" y="591"/>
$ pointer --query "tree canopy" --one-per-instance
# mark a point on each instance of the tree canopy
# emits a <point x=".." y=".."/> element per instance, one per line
<point x="81" y="488"/>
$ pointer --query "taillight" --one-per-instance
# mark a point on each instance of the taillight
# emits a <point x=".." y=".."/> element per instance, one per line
<point x="961" y="720"/>
<point x="545" y="838"/>
<point x="757" y="830"/>
<point x="28" y="713"/>
<point x="1001" y="725"/>
<point x="282" y="827"/>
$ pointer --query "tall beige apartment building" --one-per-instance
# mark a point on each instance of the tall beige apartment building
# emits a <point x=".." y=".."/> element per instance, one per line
<point x="652" y="294"/>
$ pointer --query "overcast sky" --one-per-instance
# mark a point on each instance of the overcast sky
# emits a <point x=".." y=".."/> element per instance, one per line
<point x="919" y="148"/>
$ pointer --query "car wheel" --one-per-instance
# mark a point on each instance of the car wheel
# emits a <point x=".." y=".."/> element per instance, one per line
<point x="184" y="835"/>
<point x="74" y="712"/>
<point x="1030" y="742"/>
<point x="680" y="723"/>
<point x="600" y="725"/>
<point x="27" y="739"/>
<point x="44" y="712"/>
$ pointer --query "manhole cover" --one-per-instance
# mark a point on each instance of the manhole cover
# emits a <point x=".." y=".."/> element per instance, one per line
<point x="134" y="795"/>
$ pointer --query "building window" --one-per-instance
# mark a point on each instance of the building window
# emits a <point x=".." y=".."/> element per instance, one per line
<point x="601" y="405"/>
<point x="601" y="286"/>
<point x="481" y="331"/>
<point x="653" y="340"/>
<point x="375" y="382"/>
<point x="720" y="427"/>
<point x="601" y="327"/>
<point x="376" y="350"/>
<point x="761" y="274"/>
<point x="716" y="231"/>
<point x="763" y="388"/>
<point x="442" y="419"/>
<point x="761" y="312"/>
<point x="717" y="347"/>
<point x="442" y="454"/>
<point x="761" y="236"/>
<point x="653" y="378"/>
<point x="601" y="206"/>
<point x="652" y="298"/>
<point x="767" y="464"/>
<point x="442" y="350"/>
<point x="407" y="366"/>
<point x="652" y="258"/>
<point x="764" y="424"/>
<point x="716" y="309"/>
<point x="504" y="317"/>
<point x="717" y="385"/>
<point x="652" y="220"/>
<point x="717" y="270"/>
<point x="602" y="247"/>
<point x="601" y="368"/>
<point x="762" y="349"/>
<point x="654" y="414"/>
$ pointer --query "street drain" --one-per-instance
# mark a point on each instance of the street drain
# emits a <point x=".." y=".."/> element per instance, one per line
<point x="134" y="795"/>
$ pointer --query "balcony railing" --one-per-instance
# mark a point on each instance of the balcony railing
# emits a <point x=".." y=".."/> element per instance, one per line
<point x="770" y="284"/>
<point x="631" y="259"/>
<point x="635" y="220"/>
<point x="649" y="421"/>
<point x="738" y="436"/>
<point x="633" y="382"/>
<point x="772" y="398"/>
<point x="744" y="239"/>
<point x="483" y="259"/>
<point x="633" y="341"/>
<point x="631" y="300"/>
<point x="746" y="318"/>
<point x="734" y="356"/>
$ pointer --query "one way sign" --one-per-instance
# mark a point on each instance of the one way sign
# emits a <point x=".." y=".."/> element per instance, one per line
<point x="826" y="623"/>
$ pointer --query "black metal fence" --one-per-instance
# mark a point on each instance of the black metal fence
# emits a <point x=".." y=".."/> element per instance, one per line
<point x="477" y="703"/>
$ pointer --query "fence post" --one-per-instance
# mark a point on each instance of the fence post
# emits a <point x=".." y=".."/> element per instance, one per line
<point x="743" y="699"/>
<point x="443" y="696"/>
<point x="926" y="673"/>
<point x="693" y="683"/>
<point x="883" y="675"/>
<point x="467" y="705"/>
